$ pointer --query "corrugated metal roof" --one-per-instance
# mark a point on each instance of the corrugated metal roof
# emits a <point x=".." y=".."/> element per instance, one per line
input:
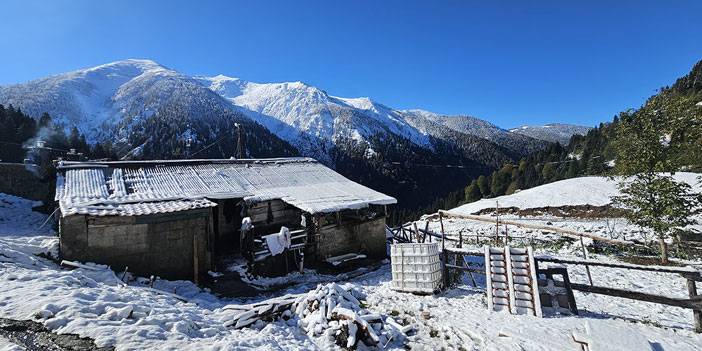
<point x="143" y="187"/>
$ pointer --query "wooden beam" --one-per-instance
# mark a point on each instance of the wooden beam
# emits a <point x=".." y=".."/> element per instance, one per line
<point x="563" y="231"/>
<point x="467" y="269"/>
<point x="661" y="269"/>
<point x="634" y="295"/>
<point x="697" y="314"/>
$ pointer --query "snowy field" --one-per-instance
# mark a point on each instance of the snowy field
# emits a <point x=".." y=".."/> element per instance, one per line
<point x="93" y="302"/>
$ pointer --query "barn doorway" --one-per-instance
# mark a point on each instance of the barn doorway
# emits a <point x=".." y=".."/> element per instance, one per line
<point x="227" y="218"/>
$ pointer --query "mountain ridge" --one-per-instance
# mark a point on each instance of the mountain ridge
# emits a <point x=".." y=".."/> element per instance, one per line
<point x="148" y="110"/>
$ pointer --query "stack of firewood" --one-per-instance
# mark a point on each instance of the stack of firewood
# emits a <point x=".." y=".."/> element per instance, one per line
<point x="332" y="312"/>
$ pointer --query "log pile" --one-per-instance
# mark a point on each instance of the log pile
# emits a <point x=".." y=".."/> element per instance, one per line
<point x="331" y="312"/>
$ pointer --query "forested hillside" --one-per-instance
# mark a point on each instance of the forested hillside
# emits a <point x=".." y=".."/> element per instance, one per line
<point x="674" y="114"/>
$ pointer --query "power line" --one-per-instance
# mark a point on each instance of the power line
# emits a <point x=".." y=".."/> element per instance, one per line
<point x="209" y="146"/>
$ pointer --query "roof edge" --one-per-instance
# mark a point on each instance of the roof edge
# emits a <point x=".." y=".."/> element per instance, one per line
<point x="140" y="163"/>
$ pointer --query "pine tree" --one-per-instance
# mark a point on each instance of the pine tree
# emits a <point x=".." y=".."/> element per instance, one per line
<point x="472" y="192"/>
<point x="512" y="188"/>
<point x="483" y="186"/>
<point x="547" y="173"/>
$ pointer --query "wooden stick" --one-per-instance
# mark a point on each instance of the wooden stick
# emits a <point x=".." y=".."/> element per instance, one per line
<point x="697" y="314"/>
<point x="587" y="268"/>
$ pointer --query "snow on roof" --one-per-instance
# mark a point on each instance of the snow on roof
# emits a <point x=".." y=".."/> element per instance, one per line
<point x="145" y="187"/>
<point x="596" y="191"/>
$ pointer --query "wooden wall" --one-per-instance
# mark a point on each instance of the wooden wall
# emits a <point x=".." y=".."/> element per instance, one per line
<point x="268" y="222"/>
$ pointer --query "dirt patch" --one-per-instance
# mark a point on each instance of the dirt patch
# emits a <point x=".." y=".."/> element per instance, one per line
<point x="34" y="336"/>
<point x="570" y="211"/>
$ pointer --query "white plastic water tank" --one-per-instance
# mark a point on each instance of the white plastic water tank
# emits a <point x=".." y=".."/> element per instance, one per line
<point x="416" y="267"/>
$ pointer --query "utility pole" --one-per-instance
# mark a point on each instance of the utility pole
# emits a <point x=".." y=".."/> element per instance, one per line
<point x="239" y="142"/>
<point x="188" y="142"/>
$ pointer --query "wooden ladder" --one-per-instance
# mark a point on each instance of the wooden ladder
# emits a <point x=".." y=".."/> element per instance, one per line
<point x="511" y="280"/>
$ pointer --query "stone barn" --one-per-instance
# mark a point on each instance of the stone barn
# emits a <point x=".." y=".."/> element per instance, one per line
<point x="175" y="218"/>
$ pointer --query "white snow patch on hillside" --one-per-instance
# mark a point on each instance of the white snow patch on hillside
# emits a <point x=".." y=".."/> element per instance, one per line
<point x="596" y="191"/>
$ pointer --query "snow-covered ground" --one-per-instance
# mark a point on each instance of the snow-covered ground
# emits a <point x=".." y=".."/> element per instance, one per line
<point x="93" y="302"/>
<point x="596" y="191"/>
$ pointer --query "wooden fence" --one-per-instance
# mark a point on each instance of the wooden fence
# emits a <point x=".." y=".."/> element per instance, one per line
<point x="456" y="259"/>
<point x="691" y="275"/>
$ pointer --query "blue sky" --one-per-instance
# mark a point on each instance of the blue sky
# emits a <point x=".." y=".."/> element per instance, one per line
<point x="510" y="62"/>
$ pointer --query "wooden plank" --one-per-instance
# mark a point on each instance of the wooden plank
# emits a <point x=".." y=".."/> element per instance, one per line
<point x="534" y="283"/>
<point x="634" y="295"/>
<point x="660" y="269"/>
<point x="510" y="279"/>
<point x="488" y="278"/>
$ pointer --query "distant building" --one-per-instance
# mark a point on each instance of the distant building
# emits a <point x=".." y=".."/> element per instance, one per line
<point x="173" y="218"/>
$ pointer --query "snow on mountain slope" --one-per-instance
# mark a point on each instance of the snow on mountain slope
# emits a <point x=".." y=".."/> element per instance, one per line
<point x="555" y="132"/>
<point x="596" y="191"/>
<point x="519" y="144"/>
<point x="112" y="101"/>
<point x="312" y="113"/>
<point x="140" y="105"/>
<point x="89" y="98"/>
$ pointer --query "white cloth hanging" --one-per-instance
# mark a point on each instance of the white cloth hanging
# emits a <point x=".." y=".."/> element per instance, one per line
<point x="277" y="243"/>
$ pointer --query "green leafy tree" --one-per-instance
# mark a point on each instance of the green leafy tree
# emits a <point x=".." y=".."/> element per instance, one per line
<point x="658" y="202"/>
<point x="650" y="142"/>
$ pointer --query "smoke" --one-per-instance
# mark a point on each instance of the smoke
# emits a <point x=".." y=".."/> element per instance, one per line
<point x="39" y="155"/>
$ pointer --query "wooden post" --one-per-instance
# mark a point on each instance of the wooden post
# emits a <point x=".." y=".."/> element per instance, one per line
<point x="441" y="222"/>
<point x="460" y="239"/>
<point x="497" y="222"/>
<point x="416" y="231"/>
<point x="196" y="269"/>
<point x="443" y="252"/>
<point x="587" y="268"/>
<point x="426" y="229"/>
<point x="692" y="291"/>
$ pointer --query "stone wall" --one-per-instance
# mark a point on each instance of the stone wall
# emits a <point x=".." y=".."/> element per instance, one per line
<point x="16" y="180"/>
<point x="161" y="245"/>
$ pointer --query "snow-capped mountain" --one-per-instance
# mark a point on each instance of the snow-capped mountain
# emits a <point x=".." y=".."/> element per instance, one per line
<point x="300" y="113"/>
<point x="119" y="102"/>
<point x="555" y="132"/>
<point x="109" y="101"/>
<point x="146" y="110"/>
